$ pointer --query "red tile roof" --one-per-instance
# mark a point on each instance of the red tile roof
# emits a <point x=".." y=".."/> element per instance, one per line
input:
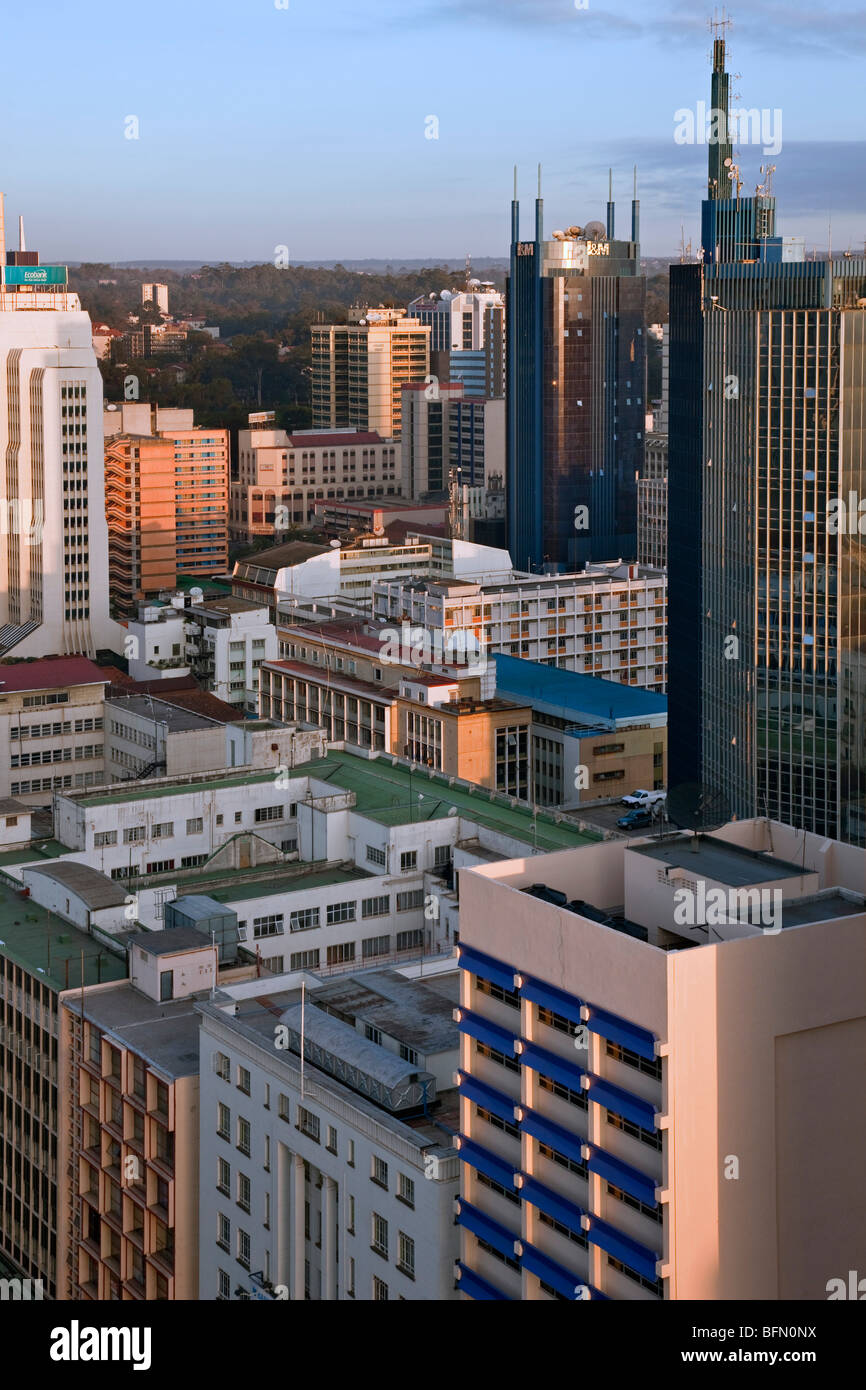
<point x="50" y="673"/>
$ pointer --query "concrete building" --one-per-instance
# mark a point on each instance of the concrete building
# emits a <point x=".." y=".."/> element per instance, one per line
<point x="449" y="436"/>
<point x="590" y="738"/>
<point x="41" y="956"/>
<point x="326" y="1168"/>
<point x="359" y="369"/>
<point x="156" y="294"/>
<point x="643" y="1075"/>
<point x="298" y="572"/>
<point x="54" y="539"/>
<point x="609" y="620"/>
<point x="466" y="336"/>
<point x="652" y="504"/>
<point x="282" y="476"/>
<point x="51" y="727"/>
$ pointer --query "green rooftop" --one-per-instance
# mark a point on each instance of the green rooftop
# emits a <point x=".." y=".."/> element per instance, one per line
<point x="254" y="884"/>
<point x="46" y="946"/>
<point x="37" y="852"/>
<point x="389" y="792"/>
<point x="148" y="791"/>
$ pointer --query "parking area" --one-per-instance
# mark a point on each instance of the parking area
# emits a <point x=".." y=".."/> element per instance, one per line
<point x="606" y="817"/>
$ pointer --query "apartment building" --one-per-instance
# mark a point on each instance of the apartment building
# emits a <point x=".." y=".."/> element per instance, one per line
<point x="326" y="1171"/>
<point x="591" y="738"/>
<point x="51" y="727"/>
<point x="41" y="956"/>
<point x="360" y="367"/>
<point x="282" y="476"/>
<point x="643" y="1073"/>
<point x="652" y="504"/>
<point x="183" y="494"/>
<point x="155" y="293"/>
<point x="609" y="620"/>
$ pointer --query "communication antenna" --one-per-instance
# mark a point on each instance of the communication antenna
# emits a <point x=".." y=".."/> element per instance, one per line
<point x="468" y="268"/>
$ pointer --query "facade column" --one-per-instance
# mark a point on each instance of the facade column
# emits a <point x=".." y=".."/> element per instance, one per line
<point x="329" y="1239"/>
<point x="283" y="1216"/>
<point x="299" y="1239"/>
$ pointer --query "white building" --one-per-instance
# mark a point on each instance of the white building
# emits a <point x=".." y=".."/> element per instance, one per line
<point x="51" y="734"/>
<point x="330" y="1178"/>
<point x="157" y="294"/>
<point x="610" y="620"/>
<point x="53" y="536"/>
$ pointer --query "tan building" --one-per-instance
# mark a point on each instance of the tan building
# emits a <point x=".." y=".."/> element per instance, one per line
<point x="140" y="509"/>
<point x="360" y="368"/>
<point x="282" y="477"/>
<point x="661" y="1069"/>
<point x="51" y="727"/>
<point x="128" y="1148"/>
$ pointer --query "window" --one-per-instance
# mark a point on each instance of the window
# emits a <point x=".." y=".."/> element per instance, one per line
<point x="244" y="1249"/>
<point x="224" y="1232"/>
<point x="408" y="861"/>
<point x="650" y="1067"/>
<point x="265" y="813"/>
<point x="303" y="919"/>
<point x="410" y="902"/>
<point x="505" y="996"/>
<point x="405" y="1190"/>
<point x="654" y="1213"/>
<point x="379" y="1242"/>
<point x="572" y="1164"/>
<point x="375" y="856"/>
<point x="339" y="955"/>
<point x="340" y="912"/>
<point x="133" y="834"/>
<point x="102" y="838"/>
<point x="244" y="1192"/>
<point x="163" y="831"/>
<point x="578" y="1098"/>
<point x="497" y="1122"/>
<point x="350" y="1279"/>
<point x="376" y="907"/>
<point x="304" y="960"/>
<point x="331" y="1145"/>
<point x="222" y="1066"/>
<point x="406" y="1255"/>
<point x="375" y="946"/>
<point x="557" y="1021"/>
<point x="379" y="1172"/>
<point x="647" y="1136"/>
<point x="442" y="856"/>
<point x="410" y="940"/>
<point x="195" y="826"/>
<point x="654" y="1285"/>
<point x="224" y="1122"/>
<point x="271" y="925"/>
<point x="224" y="1285"/>
<point x="224" y="1177"/>
<point x="508" y="1193"/>
<point x="244" y="1136"/>
<point x="350" y="1156"/>
<point x="284" y="1108"/>
<point x="380" y="1290"/>
<point x="408" y="1054"/>
<point x="243" y="1080"/>
<point x="308" y="1123"/>
<point x="510" y="1063"/>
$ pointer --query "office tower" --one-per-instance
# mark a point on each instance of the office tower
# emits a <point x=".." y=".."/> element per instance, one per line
<point x="460" y="323"/>
<point x="576" y="378"/>
<point x="494" y="352"/>
<point x="767" y="569"/>
<point x="643" y="1075"/>
<point x="449" y="436"/>
<point x="54" y="539"/>
<point x="652" y="486"/>
<point x="156" y="294"/>
<point x="360" y="367"/>
<point x="166" y="499"/>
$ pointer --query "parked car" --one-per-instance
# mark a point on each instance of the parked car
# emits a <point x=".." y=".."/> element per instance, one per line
<point x="635" y="818"/>
<point x="641" y="797"/>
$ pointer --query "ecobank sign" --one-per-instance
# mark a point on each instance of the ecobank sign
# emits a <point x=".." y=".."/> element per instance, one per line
<point x="34" y="275"/>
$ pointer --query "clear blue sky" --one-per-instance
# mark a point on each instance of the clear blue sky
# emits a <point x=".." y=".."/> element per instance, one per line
<point x="305" y="126"/>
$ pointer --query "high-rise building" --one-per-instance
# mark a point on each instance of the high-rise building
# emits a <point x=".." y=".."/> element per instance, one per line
<point x="155" y="293"/>
<point x="465" y="336"/>
<point x="648" y="1031"/>
<point x="576" y="378"/>
<point x="54" y="539"/>
<point x="767" y="565"/>
<point x="360" y="367"/>
<point x="449" y="436"/>
<point x="652" y="486"/>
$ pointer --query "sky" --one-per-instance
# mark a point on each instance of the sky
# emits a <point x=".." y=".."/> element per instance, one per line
<point x="389" y="128"/>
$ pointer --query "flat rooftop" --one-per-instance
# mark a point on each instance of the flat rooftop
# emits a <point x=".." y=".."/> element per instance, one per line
<point x="266" y="881"/>
<point x="175" y="719"/>
<point x="404" y="1009"/>
<point x="164" y="1034"/>
<point x="49" y="948"/>
<point x="573" y="695"/>
<point x="719" y="860"/>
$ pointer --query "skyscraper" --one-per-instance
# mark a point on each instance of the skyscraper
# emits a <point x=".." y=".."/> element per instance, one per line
<point x="53" y="536"/>
<point x="767" y="673"/>
<point x="360" y="368"/>
<point x="576" y="374"/>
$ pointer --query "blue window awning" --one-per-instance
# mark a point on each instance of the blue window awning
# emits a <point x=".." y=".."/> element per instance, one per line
<point x="623" y="1175"/>
<point x="488" y="967"/>
<point x="549" y="997"/>
<point x="621" y="1102"/>
<point x="550" y="1202"/>
<point x="490" y="1033"/>
<point x="487" y="1096"/>
<point x="556" y="1136"/>
<point x="551" y="1271"/>
<point x="550" y="1064"/>
<point x="480" y="1224"/>
<point x="488" y="1163"/>
<point x="638" y="1257"/>
<point x="476" y="1287"/>
<point x="619" y="1030"/>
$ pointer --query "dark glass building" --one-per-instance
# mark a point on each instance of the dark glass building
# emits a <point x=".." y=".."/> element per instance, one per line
<point x="575" y="389"/>
<point x="767" y="578"/>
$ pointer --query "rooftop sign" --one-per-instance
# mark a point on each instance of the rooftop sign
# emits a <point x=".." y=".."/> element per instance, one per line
<point x="34" y="274"/>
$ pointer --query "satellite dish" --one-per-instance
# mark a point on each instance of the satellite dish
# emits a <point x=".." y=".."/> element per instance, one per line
<point x="196" y="593"/>
<point x="335" y="545"/>
<point x="595" y="231"/>
<point x="446" y="294"/>
<point x="697" y="806"/>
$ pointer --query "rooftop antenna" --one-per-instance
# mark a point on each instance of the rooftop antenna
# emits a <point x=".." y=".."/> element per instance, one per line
<point x="515" y="213"/>
<point x="610" y="216"/>
<point x="22" y="245"/>
<point x="468" y="268"/>
<point x="539" y="212"/>
<point x="635" y="212"/>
